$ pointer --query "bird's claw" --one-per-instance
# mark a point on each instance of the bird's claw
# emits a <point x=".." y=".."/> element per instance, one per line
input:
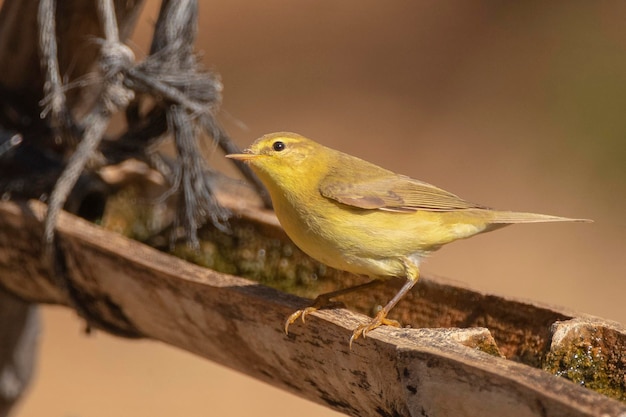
<point x="300" y="313"/>
<point x="318" y="304"/>
<point x="380" y="320"/>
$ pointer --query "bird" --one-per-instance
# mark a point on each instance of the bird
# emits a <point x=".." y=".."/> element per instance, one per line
<point x="355" y="216"/>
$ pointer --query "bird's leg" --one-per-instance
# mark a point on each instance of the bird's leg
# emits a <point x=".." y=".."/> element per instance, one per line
<point x="412" y="273"/>
<point x="324" y="300"/>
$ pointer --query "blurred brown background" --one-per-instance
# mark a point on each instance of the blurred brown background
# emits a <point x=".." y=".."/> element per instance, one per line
<point x="518" y="105"/>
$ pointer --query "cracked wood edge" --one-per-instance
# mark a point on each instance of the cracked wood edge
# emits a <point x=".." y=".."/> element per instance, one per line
<point x="239" y="324"/>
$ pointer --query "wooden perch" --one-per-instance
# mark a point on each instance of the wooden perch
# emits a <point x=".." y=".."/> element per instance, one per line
<point x="452" y="363"/>
<point x="239" y="323"/>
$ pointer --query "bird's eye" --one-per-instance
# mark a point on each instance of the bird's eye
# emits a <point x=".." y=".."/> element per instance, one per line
<point x="278" y="146"/>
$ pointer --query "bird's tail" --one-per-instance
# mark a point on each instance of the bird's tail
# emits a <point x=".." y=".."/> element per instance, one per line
<point x="510" y="217"/>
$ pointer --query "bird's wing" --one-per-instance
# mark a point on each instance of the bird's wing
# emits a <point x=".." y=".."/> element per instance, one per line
<point x="391" y="192"/>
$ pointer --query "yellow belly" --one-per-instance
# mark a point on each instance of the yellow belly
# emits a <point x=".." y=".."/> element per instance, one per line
<point x="370" y="242"/>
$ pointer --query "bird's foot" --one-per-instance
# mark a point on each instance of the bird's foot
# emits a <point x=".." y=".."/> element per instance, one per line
<point x="300" y="313"/>
<point x="379" y="320"/>
<point x="319" y="303"/>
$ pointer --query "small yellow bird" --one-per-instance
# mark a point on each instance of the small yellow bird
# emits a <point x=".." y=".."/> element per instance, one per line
<point x="358" y="217"/>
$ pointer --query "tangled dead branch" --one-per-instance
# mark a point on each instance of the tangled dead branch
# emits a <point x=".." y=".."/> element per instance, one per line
<point x="167" y="95"/>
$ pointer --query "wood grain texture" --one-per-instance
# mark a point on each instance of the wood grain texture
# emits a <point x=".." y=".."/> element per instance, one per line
<point x="238" y="323"/>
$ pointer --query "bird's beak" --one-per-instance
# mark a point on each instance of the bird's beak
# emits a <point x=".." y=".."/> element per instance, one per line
<point x="243" y="156"/>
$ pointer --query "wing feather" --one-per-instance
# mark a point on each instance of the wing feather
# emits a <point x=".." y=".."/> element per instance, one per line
<point x="391" y="192"/>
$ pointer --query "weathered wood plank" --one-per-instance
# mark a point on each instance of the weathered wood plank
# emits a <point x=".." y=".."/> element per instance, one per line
<point x="238" y="323"/>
